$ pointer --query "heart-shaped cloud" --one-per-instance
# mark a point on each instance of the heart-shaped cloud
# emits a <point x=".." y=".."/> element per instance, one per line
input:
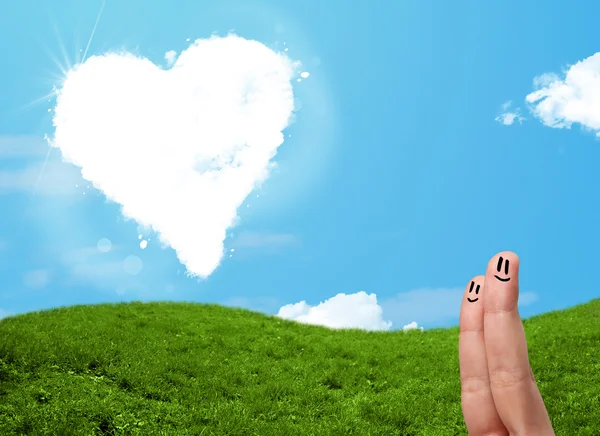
<point x="178" y="149"/>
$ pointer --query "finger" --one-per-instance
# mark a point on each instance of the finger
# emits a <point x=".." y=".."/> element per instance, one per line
<point x="515" y="392"/>
<point x="478" y="406"/>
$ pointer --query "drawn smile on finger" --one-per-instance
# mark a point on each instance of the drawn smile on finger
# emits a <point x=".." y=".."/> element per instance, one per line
<point x="476" y="293"/>
<point x="499" y="269"/>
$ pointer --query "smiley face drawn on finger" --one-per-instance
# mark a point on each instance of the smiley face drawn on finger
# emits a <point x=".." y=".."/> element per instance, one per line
<point x="499" y="269"/>
<point x="476" y="293"/>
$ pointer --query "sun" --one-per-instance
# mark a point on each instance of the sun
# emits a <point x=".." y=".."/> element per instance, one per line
<point x="57" y="80"/>
<point x="64" y="65"/>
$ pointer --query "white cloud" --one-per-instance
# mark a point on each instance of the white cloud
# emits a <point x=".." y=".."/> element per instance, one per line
<point x="359" y="310"/>
<point x="509" y="117"/>
<point x="433" y="306"/>
<point x="560" y="103"/>
<point x="37" y="278"/>
<point x="179" y="149"/>
<point x="170" y="57"/>
<point x="412" y="326"/>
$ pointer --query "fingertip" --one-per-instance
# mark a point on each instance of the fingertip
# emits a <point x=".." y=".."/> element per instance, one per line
<point x="502" y="282"/>
<point x="478" y="279"/>
<point x="475" y="285"/>
<point x="504" y="264"/>
<point x="471" y="307"/>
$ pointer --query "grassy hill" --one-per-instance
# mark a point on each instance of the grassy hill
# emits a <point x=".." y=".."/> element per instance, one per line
<point x="195" y="369"/>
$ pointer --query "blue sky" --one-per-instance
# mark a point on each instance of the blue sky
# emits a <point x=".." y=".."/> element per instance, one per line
<point x="402" y="173"/>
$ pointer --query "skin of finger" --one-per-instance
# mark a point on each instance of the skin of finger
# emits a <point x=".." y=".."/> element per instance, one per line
<point x="479" y="410"/>
<point x="516" y="395"/>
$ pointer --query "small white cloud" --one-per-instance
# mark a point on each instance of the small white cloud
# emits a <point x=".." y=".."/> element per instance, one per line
<point x="509" y="117"/>
<point x="359" y="310"/>
<point x="36" y="279"/>
<point x="560" y="103"/>
<point x="170" y="57"/>
<point x="210" y="127"/>
<point x="412" y="326"/>
<point x="143" y="244"/>
<point x="506" y="105"/>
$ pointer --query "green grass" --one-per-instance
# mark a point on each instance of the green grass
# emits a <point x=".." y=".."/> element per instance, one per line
<point x="195" y="369"/>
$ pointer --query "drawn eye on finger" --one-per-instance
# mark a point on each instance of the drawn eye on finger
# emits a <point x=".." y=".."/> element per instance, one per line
<point x="471" y="289"/>
<point x="499" y="269"/>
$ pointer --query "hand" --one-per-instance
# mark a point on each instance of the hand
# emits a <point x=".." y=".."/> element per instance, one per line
<point x="498" y="389"/>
